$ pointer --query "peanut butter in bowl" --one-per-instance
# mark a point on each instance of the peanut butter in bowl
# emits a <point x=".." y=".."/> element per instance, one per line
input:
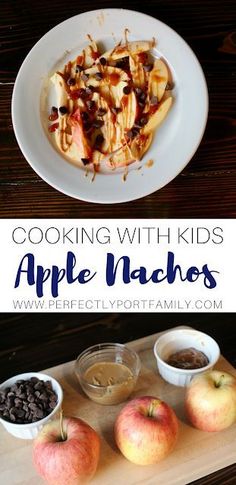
<point x="108" y="372"/>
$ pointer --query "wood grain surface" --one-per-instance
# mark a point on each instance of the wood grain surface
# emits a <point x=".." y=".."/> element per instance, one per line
<point x="195" y="454"/>
<point x="36" y="341"/>
<point x="206" y="187"/>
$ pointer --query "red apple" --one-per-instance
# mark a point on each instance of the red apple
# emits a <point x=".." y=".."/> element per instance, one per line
<point x="68" y="458"/>
<point x="211" y="401"/>
<point x="146" y="430"/>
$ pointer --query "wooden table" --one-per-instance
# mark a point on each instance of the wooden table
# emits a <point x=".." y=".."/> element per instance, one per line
<point x="206" y="187"/>
<point x="196" y="453"/>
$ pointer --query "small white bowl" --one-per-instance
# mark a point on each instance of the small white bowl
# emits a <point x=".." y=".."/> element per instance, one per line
<point x="179" y="339"/>
<point x="30" y="431"/>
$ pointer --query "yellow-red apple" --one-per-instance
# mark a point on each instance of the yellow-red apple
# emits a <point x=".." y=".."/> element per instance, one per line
<point x="69" y="457"/>
<point x="146" y="430"/>
<point x="210" y="401"/>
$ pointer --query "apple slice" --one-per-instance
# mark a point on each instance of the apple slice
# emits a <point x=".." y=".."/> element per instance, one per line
<point x="78" y="135"/>
<point x="130" y="152"/>
<point x="108" y="127"/>
<point x="87" y="57"/>
<point x="158" y="79"/>
<point x="125" y="119"/>
<point x="111" y="85"/>
<point x="140" y="145"/>
<point x="91" y="53"/>
<point x="133" y="48"/>
<point x="121" y="158"/>
<point x="60" y="88"/>
<point x="157" y="118"/>
<point x="137" y="72"/>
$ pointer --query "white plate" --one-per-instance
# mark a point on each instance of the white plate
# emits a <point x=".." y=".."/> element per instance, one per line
<point x="175" y="142"/>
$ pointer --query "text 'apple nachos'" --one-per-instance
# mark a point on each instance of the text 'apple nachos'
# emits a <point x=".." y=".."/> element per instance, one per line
<point x="108" y="105"/>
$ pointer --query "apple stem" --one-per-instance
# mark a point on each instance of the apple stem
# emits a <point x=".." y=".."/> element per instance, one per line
<point x="153" y="406"/>
<point x="63" y="436"/>
<point x="218" y="384"/>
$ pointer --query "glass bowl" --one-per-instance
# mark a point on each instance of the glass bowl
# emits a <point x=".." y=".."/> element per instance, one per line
<point x="108" y="372"/>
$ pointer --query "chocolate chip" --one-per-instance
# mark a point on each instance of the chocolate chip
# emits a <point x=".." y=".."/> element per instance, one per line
<point x="148" y="67"/>
<point x="115" y="110"/>
<point x="98" y="123"/>
<point x="138" y="91"/>
<point x="12" y="417"/>
<point x="39" y="413"/>
<point x="143" y="121"/>
<point x="84" y="77"/>
<point x="127" y="90"/>
<point x="132" y="133"/>
<point x="38" y="386"/>
<point x="169" y="86"/>
<point x="20" y="413"/>
<point x="98" y="75"/>
<point x="32" y="406"/>
<point x="13" y="410"/>
<point x="11" y="394"/>
<point x="81" y="93"/>
<point x="89" y="90"/>
<point x="78" y="68"/>
<point x="10" y="402"/>
<point x="102" y="61"/>
<point x="87" y="126"/>
<point x="48" y="384"/>
<point x="71" y="81"/>
<point x="90" y="104"/>
<point x="52" y="404"/>
<point x="85" y="161"/>
<point x="63" y="110"/>
<point x="101" y="111"/>
<point x="85" y="116"/>
<point x="123" y="63"/>
<point x="154" y="100"/>
<point x="142" y="97"/>
<point x="98" y="142"/>
<point x="18" y="402"/>
<point x="34" y="380"/>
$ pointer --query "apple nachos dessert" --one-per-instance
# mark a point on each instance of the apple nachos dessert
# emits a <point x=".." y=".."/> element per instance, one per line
<point x="110" y="104"/>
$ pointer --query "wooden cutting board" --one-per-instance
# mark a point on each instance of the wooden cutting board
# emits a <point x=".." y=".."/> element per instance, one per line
<point x="197" y="453"/>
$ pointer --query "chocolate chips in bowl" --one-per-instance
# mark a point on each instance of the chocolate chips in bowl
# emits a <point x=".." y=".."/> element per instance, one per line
<point x="27" y="402"/>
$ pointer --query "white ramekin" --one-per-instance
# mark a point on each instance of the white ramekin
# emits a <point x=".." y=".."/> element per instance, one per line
<point x="179" y="339"/>
<point x="30" y="431"/>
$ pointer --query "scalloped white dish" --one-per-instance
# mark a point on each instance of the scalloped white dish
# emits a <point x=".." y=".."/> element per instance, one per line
<point x="175" y="142"/>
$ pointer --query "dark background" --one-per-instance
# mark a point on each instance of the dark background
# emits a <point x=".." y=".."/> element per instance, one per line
<point x="206" y="187"/>
<point x="36" y="341"/>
